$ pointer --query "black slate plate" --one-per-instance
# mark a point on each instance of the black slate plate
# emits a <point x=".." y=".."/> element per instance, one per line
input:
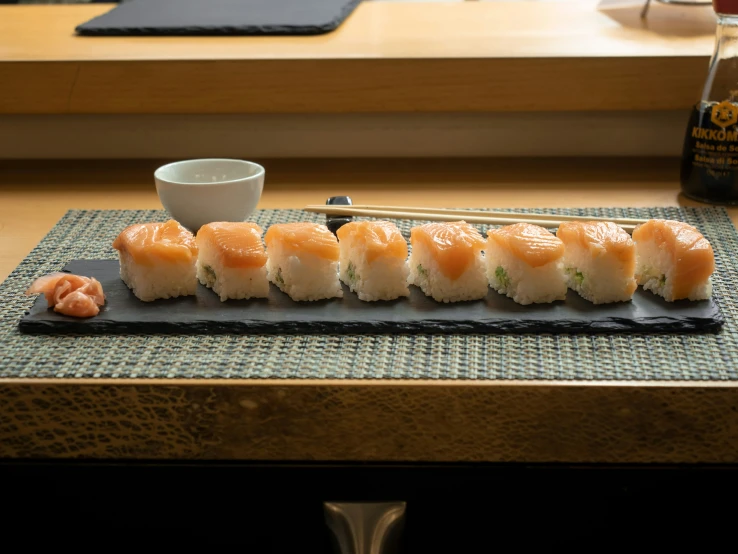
<point x="205" y="313"/>
<point x="220" y="17"/>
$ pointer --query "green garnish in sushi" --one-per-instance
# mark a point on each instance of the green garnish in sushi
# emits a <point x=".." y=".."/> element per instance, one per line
<point x="662" y="280"/>
<point x="210" y="274"/>
<point x="578" y="275"/>
<point x="351" y="272"/>
<point x="422" y="271"/>
<point x="279" y="277"/>
<point x="501" y="276"/>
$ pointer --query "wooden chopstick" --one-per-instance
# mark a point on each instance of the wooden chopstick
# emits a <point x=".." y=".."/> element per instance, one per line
<point x="483" y="213"/>
<point x="439" y="215"/>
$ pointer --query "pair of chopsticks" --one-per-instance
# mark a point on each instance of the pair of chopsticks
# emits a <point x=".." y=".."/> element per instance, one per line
<point x="470" y="216"/>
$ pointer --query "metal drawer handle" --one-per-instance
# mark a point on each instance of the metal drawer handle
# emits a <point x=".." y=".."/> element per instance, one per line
<point x="365" y="528"/>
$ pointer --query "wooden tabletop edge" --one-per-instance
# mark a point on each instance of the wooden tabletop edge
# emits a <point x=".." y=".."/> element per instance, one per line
<point x="106" y="381"/>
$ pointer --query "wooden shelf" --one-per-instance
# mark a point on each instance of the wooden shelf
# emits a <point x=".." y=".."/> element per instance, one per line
<point x="387" y="57"/>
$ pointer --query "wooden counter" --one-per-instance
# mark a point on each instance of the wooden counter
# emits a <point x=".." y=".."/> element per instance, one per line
<point x="516" y="423"/>
<point x="387" y="57"/>
<point x="34" y="195"/>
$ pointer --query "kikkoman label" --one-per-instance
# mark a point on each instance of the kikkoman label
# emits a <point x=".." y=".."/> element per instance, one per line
<point x="724" y="114"/>
<point x="712" y="140"/>
<point x="714" y="134"/>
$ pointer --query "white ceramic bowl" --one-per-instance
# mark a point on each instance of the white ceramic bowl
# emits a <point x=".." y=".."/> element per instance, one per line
<point x="196" y="192"/>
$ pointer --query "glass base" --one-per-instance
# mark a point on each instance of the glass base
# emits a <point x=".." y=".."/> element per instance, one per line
<point x="710" y="201"/>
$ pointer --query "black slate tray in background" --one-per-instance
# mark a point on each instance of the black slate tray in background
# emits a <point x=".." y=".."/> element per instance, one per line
<point x="220" y="17"/>
<point x="205" y="313"/>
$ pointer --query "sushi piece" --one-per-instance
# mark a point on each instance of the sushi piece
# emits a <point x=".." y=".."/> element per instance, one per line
<point x="599" y="260"/>
<point x="157" y="260"/>
<point x="373" y="260"/>
<point x="303" y="260"/>
<point x="232" y="261"/>
<point x="673" y="260"/>
<point x="446" y="261"/>
<point x="70" y="294"/>
<point x="526" y="263"/>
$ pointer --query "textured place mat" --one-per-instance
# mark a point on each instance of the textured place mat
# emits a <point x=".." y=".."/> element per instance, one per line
<point x="89" y="234"/>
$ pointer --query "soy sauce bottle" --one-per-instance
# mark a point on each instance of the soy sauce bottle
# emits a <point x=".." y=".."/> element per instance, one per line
<point x="709" y="171"/>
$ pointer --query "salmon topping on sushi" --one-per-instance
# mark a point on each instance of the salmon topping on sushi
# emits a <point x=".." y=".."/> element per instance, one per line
<point x="308" y="238"/>
<point x="237" y="244"/>
<point x="453" y="246"/>
<point x="599" y="237"/>
<point x="377" y="238"/>
<point x="531" y="244"/>
<point x="153" y="243"/>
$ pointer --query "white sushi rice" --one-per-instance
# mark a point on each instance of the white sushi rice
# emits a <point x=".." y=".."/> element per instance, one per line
<point x="230" y="282"/>
<point x="516" y="279"/>
<point x="425" y="273"/>
<point x="383" y="279"/>
<point x="601" y="279"/>
<point x="165" y="280"/>
<point x="303" y="277"/>
<point x="655" y="272"/>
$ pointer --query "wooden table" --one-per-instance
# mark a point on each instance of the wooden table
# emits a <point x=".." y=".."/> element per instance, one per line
<point x="34" y="195"/>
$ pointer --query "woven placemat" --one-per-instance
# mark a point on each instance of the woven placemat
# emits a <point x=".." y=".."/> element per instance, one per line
<point x="89" y="234"/>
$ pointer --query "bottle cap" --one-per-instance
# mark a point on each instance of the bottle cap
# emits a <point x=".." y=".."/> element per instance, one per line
<point x="725" y="7"/>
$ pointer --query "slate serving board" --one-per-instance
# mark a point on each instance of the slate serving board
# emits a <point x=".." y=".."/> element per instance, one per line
<point x="220" y="17"/>
<point x="205" y="313"/>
